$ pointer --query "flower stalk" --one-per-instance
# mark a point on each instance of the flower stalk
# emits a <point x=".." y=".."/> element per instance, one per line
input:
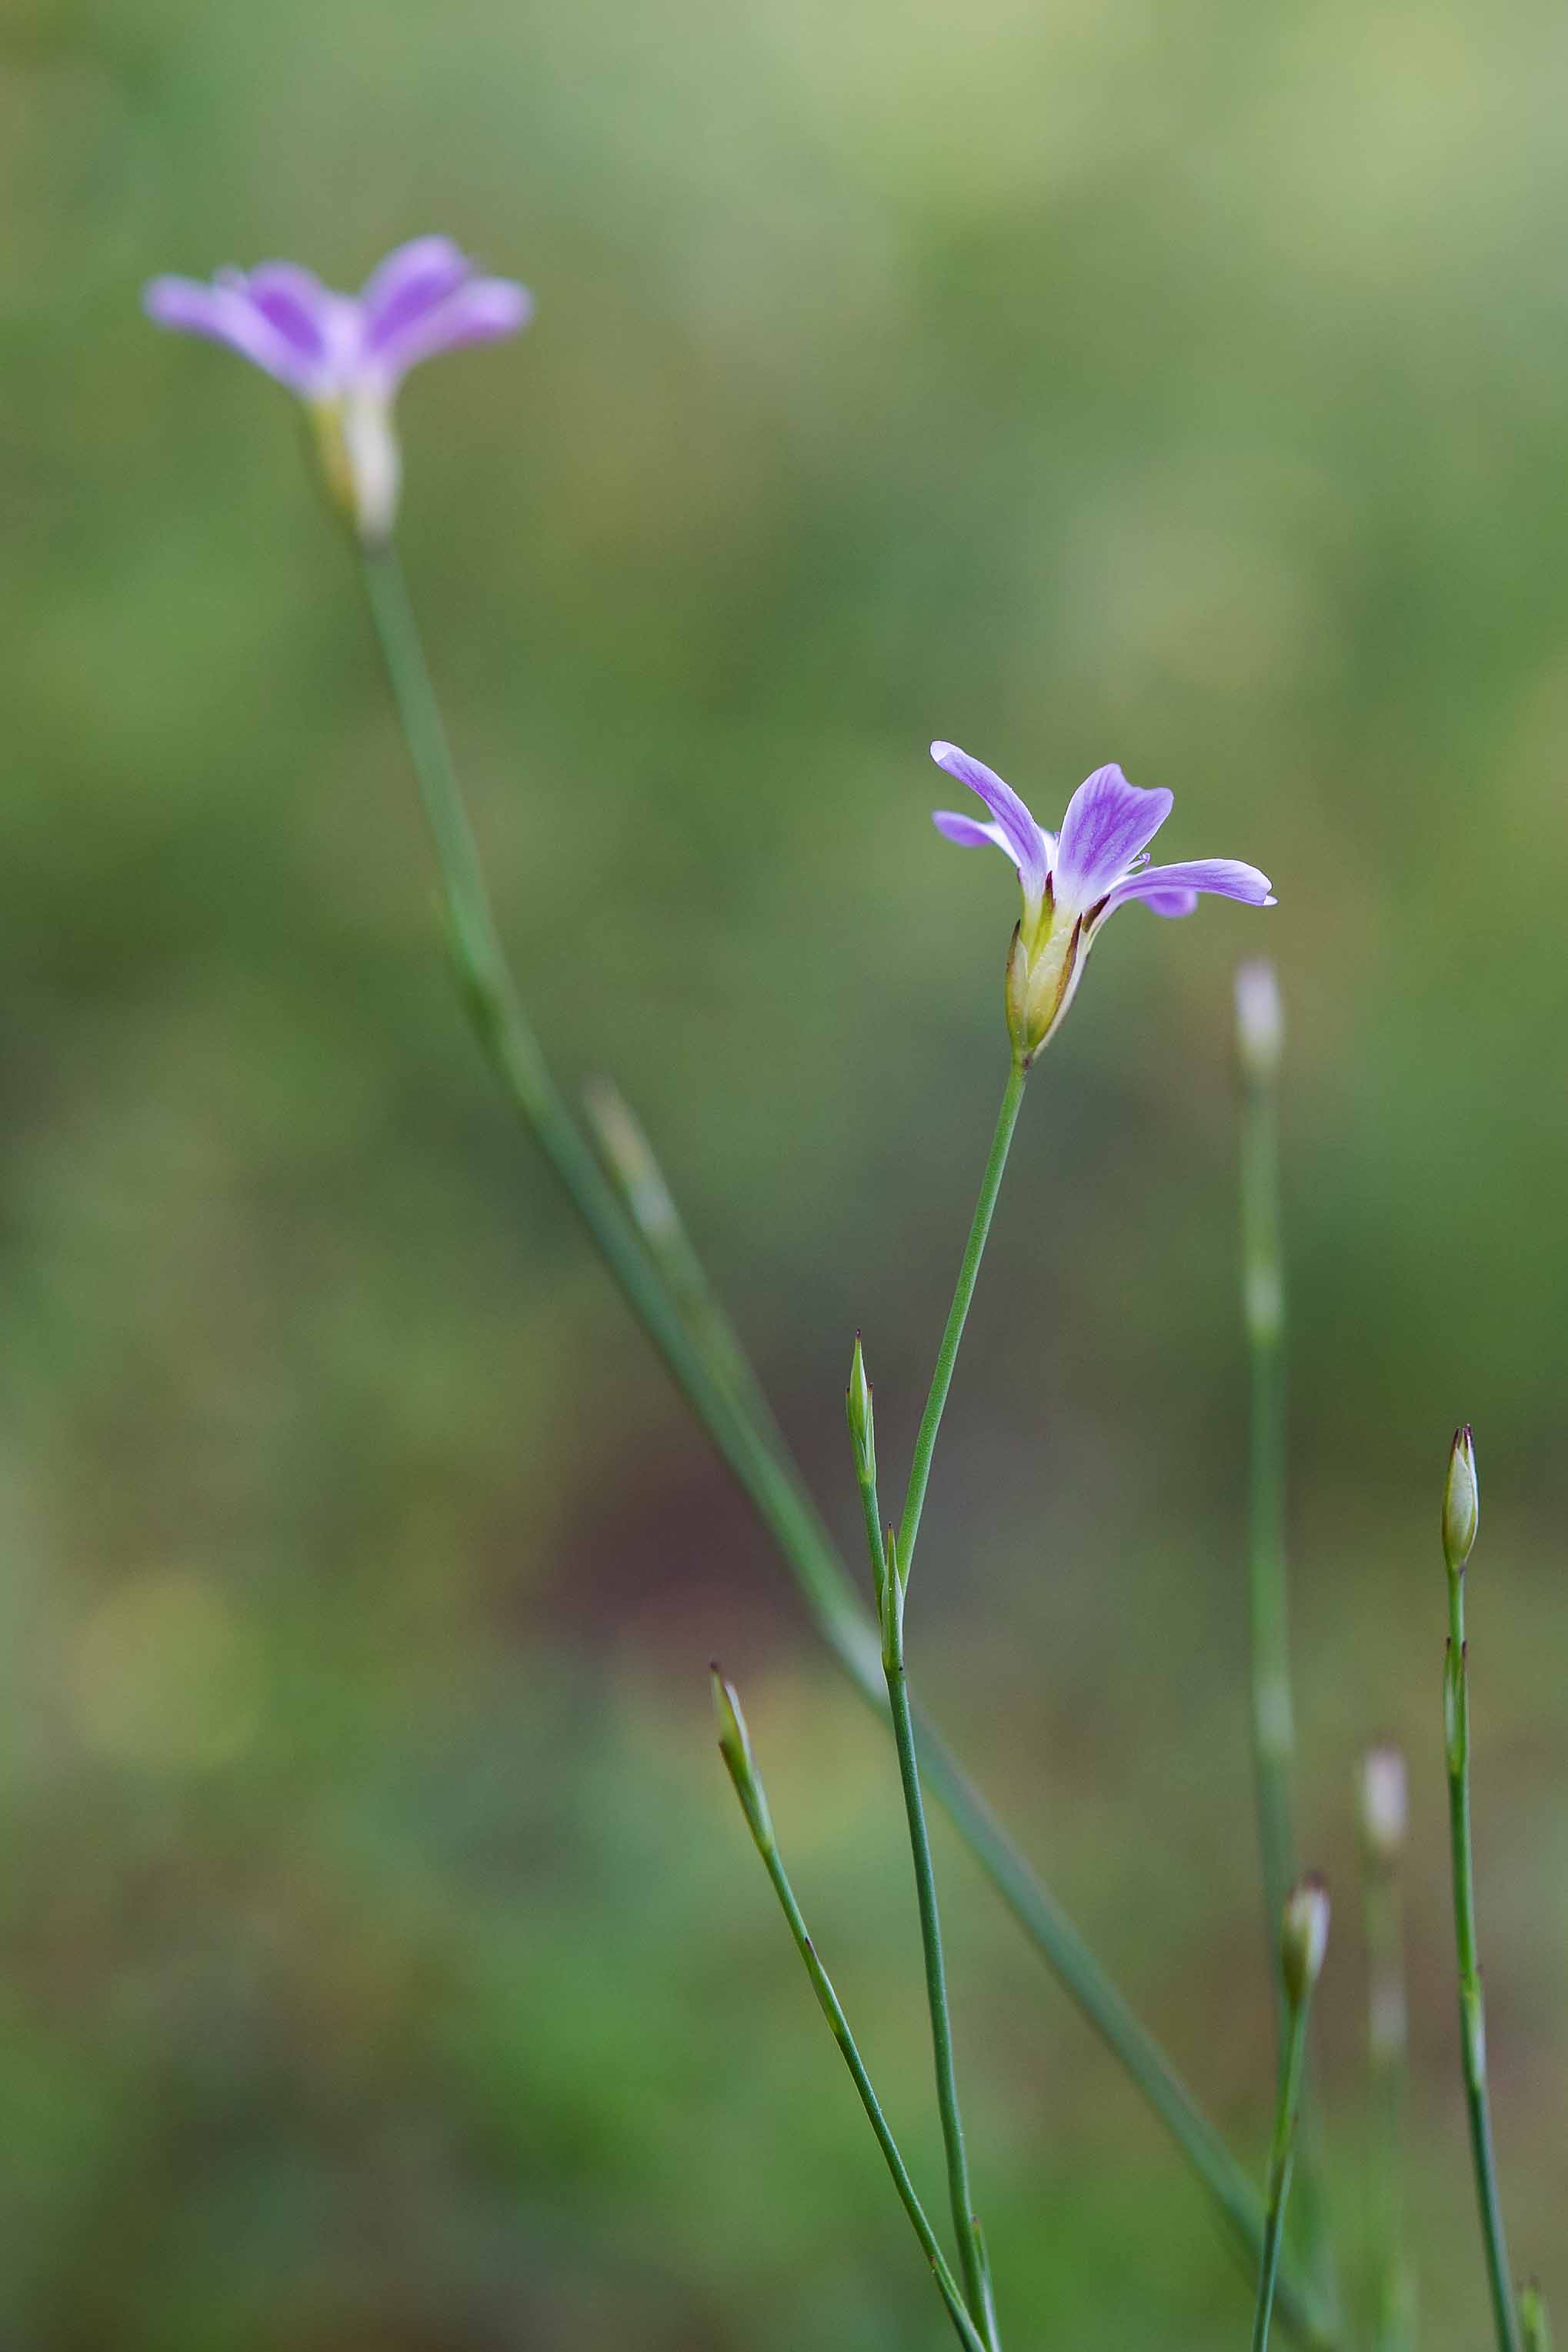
<point x="1259" y="1037"/>
<point x="891" y="1579"/>
<point x="965" y="2221"/>
<point x="736" y="1747"/>
<point x="958" y="1313"/>
<point x="1383" y="1809"/>
<point x="1303" y="1939"/>
<point x="1460" y="1519"/>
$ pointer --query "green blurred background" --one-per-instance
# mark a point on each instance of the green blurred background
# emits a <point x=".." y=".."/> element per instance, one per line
<point x="384" y="1965"/>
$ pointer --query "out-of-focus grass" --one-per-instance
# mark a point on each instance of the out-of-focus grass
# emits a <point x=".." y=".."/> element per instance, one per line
<point x="383" y="1965"/>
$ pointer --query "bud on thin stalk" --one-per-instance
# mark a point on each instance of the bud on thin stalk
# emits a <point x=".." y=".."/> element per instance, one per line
<point x="1259" y="1020"/>
<point x="862" y="1425"/>
<point x="891" y="1605"/>
<point x="1384" y="1803"/>
<point x="1304" y="1937"/>
<point x="1304" y="1940"/>
<point x="1461" y="1501"/>
<point x="1532" y="2318"/>
<point x="735" y="1748"/>
<point x="1459" y="1515"/>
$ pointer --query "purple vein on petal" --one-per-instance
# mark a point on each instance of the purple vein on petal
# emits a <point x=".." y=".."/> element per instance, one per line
<point x="409" y="282"/>
<point x="1107" y="822"/>
<point x="1015" y="831"/>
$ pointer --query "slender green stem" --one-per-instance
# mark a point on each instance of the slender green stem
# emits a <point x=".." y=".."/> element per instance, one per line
<point x="1387" y="2071"/>
<point x="772" y="1486"/>
<point x="888" y="1576"/>
<point x="1281" y="2160"/>
<point x="1273" y="1730"/>
<point x="1472" y="2012"/>
<point x="1272" y="1709"/>
<point x="753" y="1804"/>
<point x="957" y="1316"/>
<point x="634" y="1167"/>
<point x="503" y="1031"/>
<point x="946" y="2283"/>
<point x="959" y="2192"/>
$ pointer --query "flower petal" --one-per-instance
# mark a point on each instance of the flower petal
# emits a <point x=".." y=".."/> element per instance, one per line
<point x="479" y="311"/>
<point x="410" y="281"/>
<point x="1171" y="903"/>
<point x="1221" y="877"/>
<point x="968" y="831"/>
<point x="294" y="301"/>
<point x="1015" y="831"/>
<point x="224" y="313"/>
<point x="1107" y="822"/>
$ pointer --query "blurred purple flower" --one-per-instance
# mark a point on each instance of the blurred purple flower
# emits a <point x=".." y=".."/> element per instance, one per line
<point x="1073" y="880"/>
<point x="345" y="354"/>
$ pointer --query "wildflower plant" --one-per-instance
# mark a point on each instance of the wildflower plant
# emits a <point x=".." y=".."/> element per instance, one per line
<point x="343" y="357"/>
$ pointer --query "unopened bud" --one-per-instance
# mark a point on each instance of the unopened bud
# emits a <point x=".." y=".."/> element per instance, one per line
<point x="1304" y="1937"/>
<point x="891" y="1602"/>
<point x="735" y="1748"/>
<point x="862" y="1425"/>
<point x="1534" y="2323"/>
<point x="1259" y="1020"/>
<point x="630" y="1158"/>
<point x="1461" y="1501"/>
<point x="1384" y="1802"/>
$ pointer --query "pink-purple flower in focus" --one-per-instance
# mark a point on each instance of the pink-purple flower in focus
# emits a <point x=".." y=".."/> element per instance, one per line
<point x="1074" y="880"/>
<point x="344" y="355"/>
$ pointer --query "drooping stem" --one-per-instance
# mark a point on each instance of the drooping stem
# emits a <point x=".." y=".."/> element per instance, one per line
<point x="772" y="1485"/>
<point x="1280" y="2158"/>
<point x="1472" y="2009"/>
<point x="957" y="1316"/>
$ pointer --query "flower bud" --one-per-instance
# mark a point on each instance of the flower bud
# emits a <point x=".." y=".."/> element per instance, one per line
<point x="1385" y="1803"/>
<point x="1535" y="2326"/>
<point x="1259" y="1020"/>
<point x="630" y="1158"/>
<point x="862" y="1425"/>
<point x="1461" y="1501"/>
<point x="1304" y="1937"/>
<point x="735" y="1748"/>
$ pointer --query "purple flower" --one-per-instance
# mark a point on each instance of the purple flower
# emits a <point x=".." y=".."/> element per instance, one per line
<point x="345" y="354"/>
<point x="1074" y="880"/>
